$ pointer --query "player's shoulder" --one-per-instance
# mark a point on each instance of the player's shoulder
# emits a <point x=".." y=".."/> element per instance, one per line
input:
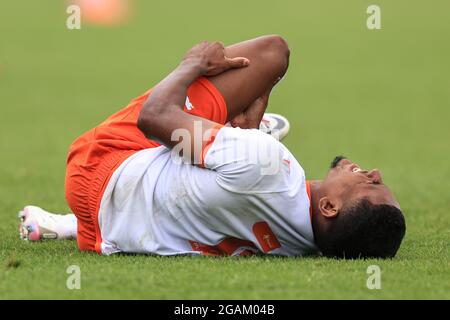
<point x="251" y="161"/>
<point x="251" y="146"/>
<point x="248" y="138"/>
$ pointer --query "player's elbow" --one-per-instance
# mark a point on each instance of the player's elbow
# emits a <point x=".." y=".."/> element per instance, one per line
<point x="146" y="120"/>
<point x="142" y="124"/>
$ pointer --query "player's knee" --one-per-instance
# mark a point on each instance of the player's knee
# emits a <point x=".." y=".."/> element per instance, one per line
<point x="279" y="45"/>
<point x="277" y="52"/>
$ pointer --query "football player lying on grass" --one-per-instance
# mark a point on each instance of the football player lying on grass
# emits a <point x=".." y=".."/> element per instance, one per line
<point x="167" y="176"/>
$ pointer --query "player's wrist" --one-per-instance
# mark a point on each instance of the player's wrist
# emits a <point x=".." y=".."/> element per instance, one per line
<point x="197" y="65"/>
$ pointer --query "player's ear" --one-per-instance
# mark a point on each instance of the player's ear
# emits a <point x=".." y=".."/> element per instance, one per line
<point x="328" y="208"/>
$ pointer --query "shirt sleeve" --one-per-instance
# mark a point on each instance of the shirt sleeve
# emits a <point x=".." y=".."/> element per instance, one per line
<point x="248" y="161"/>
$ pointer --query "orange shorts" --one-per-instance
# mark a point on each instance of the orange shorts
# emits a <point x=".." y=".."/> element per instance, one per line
<point x="95" y="155"/>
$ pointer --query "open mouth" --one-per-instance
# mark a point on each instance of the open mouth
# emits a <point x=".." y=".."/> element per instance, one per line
<point x="356" y="168"/>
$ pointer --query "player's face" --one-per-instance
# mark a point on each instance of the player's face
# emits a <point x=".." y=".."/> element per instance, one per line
<point x="349" y="182"/>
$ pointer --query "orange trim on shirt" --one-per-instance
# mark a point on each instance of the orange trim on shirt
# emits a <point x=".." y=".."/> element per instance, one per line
<point x="308" y="191"/>
<point x="227" y="247"/>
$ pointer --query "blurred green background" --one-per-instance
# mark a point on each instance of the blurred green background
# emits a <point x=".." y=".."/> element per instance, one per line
<point x="381" y="97"/>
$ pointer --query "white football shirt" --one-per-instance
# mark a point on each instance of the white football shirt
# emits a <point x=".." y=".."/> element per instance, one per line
<point x="251" y="197"/>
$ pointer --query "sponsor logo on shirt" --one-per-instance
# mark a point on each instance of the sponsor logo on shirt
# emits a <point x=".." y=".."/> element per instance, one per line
<point x="265" y="236"/>
<point x="188" y="104"/>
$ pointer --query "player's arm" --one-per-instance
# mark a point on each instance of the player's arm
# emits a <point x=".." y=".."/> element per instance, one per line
<point x="162" y="113"/>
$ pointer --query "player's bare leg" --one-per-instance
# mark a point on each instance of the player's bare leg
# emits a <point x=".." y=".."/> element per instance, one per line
<point x="247" y="90"/>
<point x="269" y="61"/>
<point x="255" y="117"/>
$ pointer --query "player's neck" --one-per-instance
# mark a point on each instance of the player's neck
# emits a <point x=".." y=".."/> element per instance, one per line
<point x="315" y="185"/>
<point x="315" y="197"/>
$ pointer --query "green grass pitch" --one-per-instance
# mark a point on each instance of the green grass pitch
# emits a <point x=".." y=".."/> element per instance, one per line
<point x="381" y="97"/>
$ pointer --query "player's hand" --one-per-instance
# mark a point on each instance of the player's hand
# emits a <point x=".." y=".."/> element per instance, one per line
<point x="211" y="56"/>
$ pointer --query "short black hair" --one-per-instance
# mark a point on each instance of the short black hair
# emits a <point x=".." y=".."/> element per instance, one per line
<point x="364" y="230"/>
<point x="336" y="160"/>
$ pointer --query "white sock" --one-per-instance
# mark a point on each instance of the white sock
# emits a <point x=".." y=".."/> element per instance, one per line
<point x="67" y="226"/>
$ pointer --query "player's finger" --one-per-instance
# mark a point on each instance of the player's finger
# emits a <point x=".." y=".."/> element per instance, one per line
<point x="238" y="62"/>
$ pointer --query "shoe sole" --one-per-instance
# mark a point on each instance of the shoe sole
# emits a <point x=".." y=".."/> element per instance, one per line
<point x="280" y="133"/>
<point x="28" y="230"/>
